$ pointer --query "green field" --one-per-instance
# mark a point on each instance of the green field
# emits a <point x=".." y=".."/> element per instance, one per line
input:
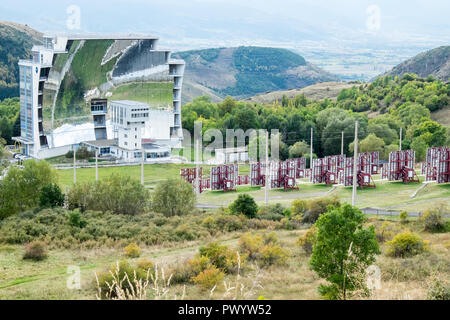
<point x="387" y="195"/>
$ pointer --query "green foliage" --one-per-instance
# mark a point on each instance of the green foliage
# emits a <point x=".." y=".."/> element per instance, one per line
<point x="36" y="250"/>
<point x="51" y="196"/>
<point x="118" y="194"/>
<point x="298" y="149"/>
<point x="439" y="291"/>
<point x="403" y="217"/>
<point x="244" y="204"/>
<point x="208" y="278"/>
<point x="343" y="250"/>
<point x="406" y="244"/>
<point x="75" y="219"/>
<point x="81" y="154"/>
<point x="221" y="257"/>
<point x="311" y="210"/>
<point x="308" y="239"/>
<point x="132" y="250"/>
<point x="432" y="220"/>
<point x="173" y="197"/>
<point x="21" y="188"/>
<point x="9" y="118"/>
<point x="274" y="212"/>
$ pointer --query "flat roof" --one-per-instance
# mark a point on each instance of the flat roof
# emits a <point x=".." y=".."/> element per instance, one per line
<point x="130" y="103"/>
<point x="102" y="143"/>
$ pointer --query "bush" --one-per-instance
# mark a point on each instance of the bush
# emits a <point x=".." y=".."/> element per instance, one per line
<point x="274" y="255"/>
<point x="221" y="257"/>
<point x="308" y="239"/>
<point x="145" y="265"/>
<point x="311" y="210"/>
<point x="36" y="251"/>
<point x="119" y="194"/>
<point x="75" y="219"/>
<point x="208" y="278"/>
<point x="246" y="205"/>
<point x="406" y="244"/>
<point x="403" y="217"/>
<point x="386" y="230"/>
<point x="251" y="244"/>
<point x="51" y="196"/>
<point x="439" y="291"/>
<point x="173" y="197"/>
<point x="132" y="250"/>
<point x="119" y="270"/>
<point x="274" y="212"/>
<point x="433" y="222"/>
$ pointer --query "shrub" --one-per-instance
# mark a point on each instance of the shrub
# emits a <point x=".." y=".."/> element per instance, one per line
<point x="274" y="255"/>
<point x="274" y="212"/>
<point x="185" y="232"/>
<point x="173" y="197"/>
<point x="406" y="244"/>
<point x="251" y="244"/>
<point x="132" y="250"/>
<point x="403" y="217"/>
<point x="75" y="219"/>
<point x="244" y="204"/>
<point x="119" y="194"/>
<point x="35" y="250"/>
<point x="439" y="291"/>
<point x="119" y="270"/>
<point x="208" y="278"/>
<point x="311" y="210"/>
<point x="386" y="230"/>
<point x="308" y="239"/>
<point x="221" y="257"/>
<point x="51" y="196"/>
<point x="433" y="222"/>
<point x="299" y="207"/>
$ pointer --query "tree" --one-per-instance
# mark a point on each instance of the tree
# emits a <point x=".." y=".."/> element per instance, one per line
<point x="343" y="251"/>
<point x="245" y="205"/>
<point x="420" y="146"/>
<point x="21" y="188"/>
<point x="173" y="197"/>
<point x="118" y="194"/>
<point x="51" y="196"/>
<point x="245" y="118"/>
<point x="299" y="149"/>
<point x="370" y="143"/>
<point x="432" y="132"/>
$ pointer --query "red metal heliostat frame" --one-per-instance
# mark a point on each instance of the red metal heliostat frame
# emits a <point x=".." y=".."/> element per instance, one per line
<point x="190" y="174"/>
<point x="401" y="166"/>
<point x="283" y="174"/>
<point x="258" y="174"/>
<point x="371" y="159"/>
<point x="363" y="177"/>
<point x="326" y="170"/>
<point x="443" y="174"/>
<point x="436" y="164"/>
<point x="300" y="164"/>
<point x="224" y="177"/>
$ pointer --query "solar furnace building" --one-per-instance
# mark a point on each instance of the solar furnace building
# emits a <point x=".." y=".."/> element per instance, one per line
<point x="67" y="85"/>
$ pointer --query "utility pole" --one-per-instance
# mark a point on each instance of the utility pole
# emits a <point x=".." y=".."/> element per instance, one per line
<point x="342" y="143"/>
<point x="96" y="165"/>
<point x="311" y="151"/>
<point x="400" y="146"/>
<point x="142" y="166"/>
<point x="197" y="169"/>
<point x="355" y="164"/>
<point x="266" y="190"/>
<point x="74" y="166"/>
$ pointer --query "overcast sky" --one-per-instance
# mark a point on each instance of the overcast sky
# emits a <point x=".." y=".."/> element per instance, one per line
<point x="210" y="23"/>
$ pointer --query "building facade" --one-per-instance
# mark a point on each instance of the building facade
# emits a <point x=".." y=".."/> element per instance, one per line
<point x="67" y="73"/>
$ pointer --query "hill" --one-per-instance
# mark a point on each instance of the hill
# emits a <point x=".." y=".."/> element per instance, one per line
<point x="242" y="72"/>
<point x="16" y="41"/>
<point x="318" y="91"/>
<point x="435" y="62"/>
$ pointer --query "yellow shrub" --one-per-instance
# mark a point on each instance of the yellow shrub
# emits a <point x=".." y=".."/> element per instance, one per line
<point x="251" y="244"/>
<point x="308" y="239"/>
<point x="406" y="244"/>
<point x="208" y="278"/>
<point x="273" y="254"/>
<point x="132" y="250"/>
<point x="145" y="264"/>
<point x="199" y="264"/>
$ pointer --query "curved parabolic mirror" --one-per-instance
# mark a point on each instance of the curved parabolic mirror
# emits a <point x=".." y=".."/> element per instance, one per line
<point x="112" y="69"/>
